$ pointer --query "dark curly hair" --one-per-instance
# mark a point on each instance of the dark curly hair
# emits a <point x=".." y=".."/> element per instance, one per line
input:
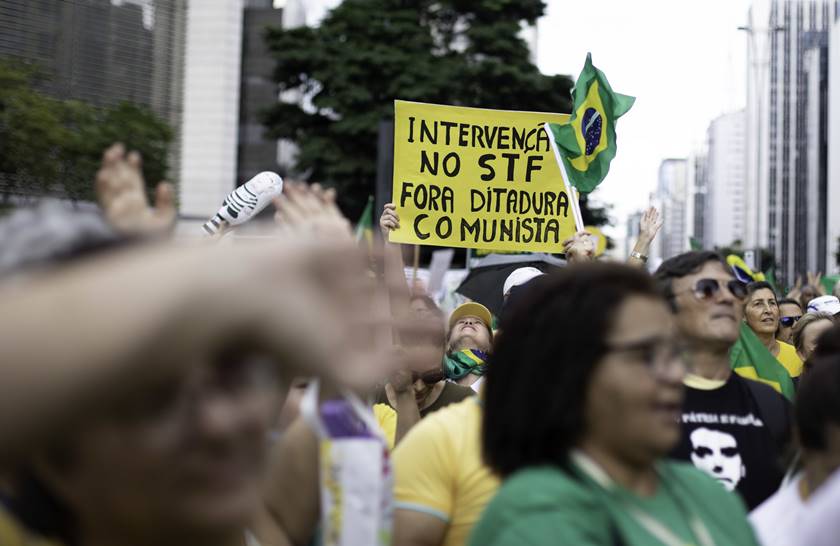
<point x="550" y="344"/>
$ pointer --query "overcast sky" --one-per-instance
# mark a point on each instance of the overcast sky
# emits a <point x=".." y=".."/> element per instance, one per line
<point x="683" y="60"/>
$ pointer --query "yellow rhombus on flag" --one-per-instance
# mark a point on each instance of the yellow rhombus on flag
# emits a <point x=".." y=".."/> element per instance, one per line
<point x="586" y="144"/>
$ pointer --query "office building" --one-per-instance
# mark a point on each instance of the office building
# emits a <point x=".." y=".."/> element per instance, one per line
<point x="832" y="199"/>
<point x="258" y="92"/>
<point x="786" y="166"/>
<point x="672" y="198"/>
<point x="725" y="205"/>
<point x="102" y="52"/>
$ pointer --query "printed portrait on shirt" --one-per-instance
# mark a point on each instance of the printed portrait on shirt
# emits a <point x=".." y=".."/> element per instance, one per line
<point x="717" y="454"/>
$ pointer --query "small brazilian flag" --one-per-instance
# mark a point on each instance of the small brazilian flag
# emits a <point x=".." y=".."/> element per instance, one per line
<point x="586" y="143"/>
<point x="364" y="228"/>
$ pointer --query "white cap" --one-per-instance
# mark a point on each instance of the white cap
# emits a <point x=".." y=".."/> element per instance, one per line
<point x="520" y="276"/>
<point x="824" y="304"/>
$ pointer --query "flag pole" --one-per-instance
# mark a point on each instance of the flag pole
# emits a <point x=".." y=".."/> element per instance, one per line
<point x="570" y="191"/>
<point x="416" y="265"/>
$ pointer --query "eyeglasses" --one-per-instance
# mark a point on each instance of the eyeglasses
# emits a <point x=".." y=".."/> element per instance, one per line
<point x="657" y="356"/>
<point x="787" y="322"/>
<point x="235" y="379"/>
<point x="706" y="289"/>
<point x="429" y="378"/>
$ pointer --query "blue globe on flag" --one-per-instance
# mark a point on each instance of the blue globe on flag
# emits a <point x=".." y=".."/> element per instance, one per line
<point x="591" y="128"/>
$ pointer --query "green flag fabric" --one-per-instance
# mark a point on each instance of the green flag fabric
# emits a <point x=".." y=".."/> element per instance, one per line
<point x="828" y="282"/>
<point x="770" y="277"/>
<point x="695" y="244"/>
<point x="751" y="359"/>
<point x="586" y="143"/>
<point x="364" y="228"/>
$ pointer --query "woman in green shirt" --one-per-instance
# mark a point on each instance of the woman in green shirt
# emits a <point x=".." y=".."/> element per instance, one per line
<point x="582" y="401"/>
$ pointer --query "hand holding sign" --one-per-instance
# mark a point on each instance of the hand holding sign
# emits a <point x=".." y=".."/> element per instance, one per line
<point x="580" y="247"/>
<point x="389" y="221"/>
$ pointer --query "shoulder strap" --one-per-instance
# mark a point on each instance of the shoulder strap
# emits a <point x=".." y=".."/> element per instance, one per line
<point x="615" y="536"/>
<point x="774" y="411"/>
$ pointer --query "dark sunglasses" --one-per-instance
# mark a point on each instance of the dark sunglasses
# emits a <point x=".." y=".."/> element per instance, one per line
<point x="787" y="322"/>
<point x="706" y="289"/>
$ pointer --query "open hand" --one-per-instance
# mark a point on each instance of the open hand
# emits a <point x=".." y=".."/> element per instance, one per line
<point x="121" y="191"/>
<point x="650" y="224"/>
<point x="815" y="280"/>
<point x="310" y="208"/>
<point x="796" y="291"/>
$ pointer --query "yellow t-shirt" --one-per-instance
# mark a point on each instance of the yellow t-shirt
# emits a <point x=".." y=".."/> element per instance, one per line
<point x="386" y="418"/>
<point x="438" y="470"/>
<point x="789" y="359"/>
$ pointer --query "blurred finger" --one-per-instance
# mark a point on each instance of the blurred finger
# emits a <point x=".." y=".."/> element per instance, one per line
<point x="165" y="208"/>
<point x="135" y="160"/>
<point x="113" y="153"/>
<point x="103" y="186"/>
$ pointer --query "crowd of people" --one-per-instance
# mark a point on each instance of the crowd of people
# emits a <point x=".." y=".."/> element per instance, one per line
<point x="296" y="390"/>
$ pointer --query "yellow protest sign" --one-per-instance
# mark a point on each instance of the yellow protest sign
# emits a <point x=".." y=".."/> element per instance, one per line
<point x="476" y="178"/>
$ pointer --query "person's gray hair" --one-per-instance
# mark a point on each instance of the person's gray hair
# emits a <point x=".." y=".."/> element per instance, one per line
<point x="797" y="334"/>
<point x="51" y="233"/>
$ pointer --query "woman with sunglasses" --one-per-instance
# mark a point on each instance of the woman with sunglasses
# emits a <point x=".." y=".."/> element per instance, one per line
<point x="582" y="451"/>
<point x="790" y="311"/>
<point x="761" y="313"/>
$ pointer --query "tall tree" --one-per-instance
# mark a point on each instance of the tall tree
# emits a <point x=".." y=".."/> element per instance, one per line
<point x="50" y="145"/>
<point x="367" y="53"/>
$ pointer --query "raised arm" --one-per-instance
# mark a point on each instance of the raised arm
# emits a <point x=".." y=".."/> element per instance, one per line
<point x="399" y="294"/>
<point x="649" y="226"/>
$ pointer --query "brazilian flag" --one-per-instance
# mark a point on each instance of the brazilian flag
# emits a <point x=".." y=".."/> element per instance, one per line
<point x="586" y="143"/>
<point x="751" y="359"/>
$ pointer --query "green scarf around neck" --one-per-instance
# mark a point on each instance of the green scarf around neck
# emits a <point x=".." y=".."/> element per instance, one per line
<point x="459" y="364"/>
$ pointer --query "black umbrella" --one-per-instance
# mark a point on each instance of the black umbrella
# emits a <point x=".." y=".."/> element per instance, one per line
<point x="484" y="282"/>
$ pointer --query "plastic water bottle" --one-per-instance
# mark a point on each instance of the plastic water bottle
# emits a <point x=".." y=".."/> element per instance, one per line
<point x="245" y="202"/>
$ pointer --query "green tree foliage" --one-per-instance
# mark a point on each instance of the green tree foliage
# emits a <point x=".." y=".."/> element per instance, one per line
<point x="367" y="53"/>
<point x="54" y="146"/>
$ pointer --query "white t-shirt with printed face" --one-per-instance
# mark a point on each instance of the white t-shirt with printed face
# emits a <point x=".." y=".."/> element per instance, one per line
<point x="778" y="520"/>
